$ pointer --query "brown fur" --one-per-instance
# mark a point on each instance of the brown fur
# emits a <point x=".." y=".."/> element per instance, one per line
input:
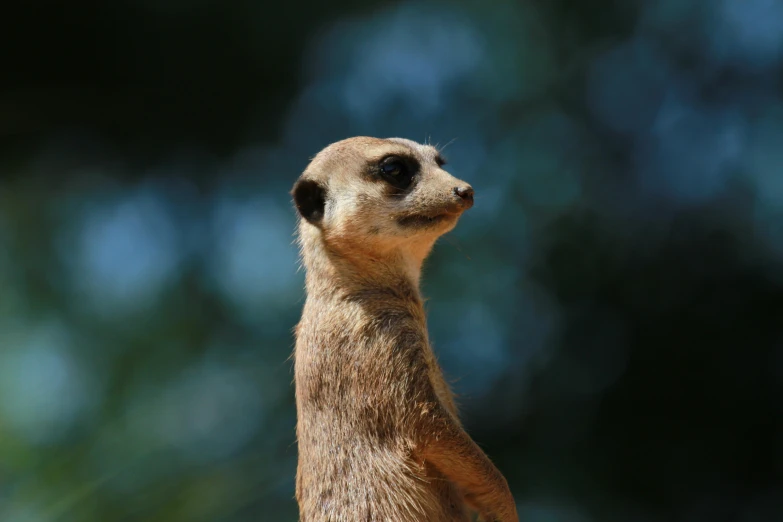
<point x="378" y="434"/>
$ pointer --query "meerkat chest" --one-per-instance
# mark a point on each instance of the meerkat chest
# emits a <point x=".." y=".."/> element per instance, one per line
<point x="353" y="358"/>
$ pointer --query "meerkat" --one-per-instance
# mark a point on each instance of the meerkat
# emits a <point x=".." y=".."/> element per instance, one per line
<point x="378" y="432"/>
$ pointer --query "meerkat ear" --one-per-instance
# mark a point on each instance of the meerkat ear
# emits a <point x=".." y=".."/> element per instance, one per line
<point x="310" y="199"/>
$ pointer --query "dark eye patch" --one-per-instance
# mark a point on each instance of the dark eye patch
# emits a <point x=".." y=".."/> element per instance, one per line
<point x="440" y="160"/>
<point x="398" y="170"/>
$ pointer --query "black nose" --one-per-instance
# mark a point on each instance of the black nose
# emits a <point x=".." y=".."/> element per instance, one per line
<point x="466" y="193"/>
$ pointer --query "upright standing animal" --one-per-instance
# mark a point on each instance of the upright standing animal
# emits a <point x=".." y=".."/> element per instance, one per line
<point x="378" y="434"/>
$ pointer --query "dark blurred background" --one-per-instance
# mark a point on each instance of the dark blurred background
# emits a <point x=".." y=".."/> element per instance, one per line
<point x="610" y="312"/>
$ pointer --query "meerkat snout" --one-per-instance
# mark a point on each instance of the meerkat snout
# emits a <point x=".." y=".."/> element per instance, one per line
<point x="465" y="193"/>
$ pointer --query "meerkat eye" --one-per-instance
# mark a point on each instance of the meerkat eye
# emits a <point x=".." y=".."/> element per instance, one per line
<point x="393" y="168"/>
<point x="396" y="172"/>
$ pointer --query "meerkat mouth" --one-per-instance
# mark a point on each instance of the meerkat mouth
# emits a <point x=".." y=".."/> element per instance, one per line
<point x="423" y="220"/>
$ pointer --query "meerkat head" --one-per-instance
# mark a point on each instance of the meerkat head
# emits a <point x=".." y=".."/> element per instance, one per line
<point x="379" y="198"/>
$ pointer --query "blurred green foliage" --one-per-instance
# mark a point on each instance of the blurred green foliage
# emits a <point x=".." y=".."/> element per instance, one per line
<point x="609" y="311"/>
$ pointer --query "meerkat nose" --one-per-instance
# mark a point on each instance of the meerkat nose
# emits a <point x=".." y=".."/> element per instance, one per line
<point x="466" y="194"/>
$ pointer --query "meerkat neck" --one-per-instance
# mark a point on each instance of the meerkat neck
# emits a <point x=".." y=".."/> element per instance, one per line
<point x="346" y="275"/>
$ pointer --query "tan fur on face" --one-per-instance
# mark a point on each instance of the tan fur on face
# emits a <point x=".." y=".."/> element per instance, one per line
<point x="359" y="219"/>
<point x="378" y="434"/>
